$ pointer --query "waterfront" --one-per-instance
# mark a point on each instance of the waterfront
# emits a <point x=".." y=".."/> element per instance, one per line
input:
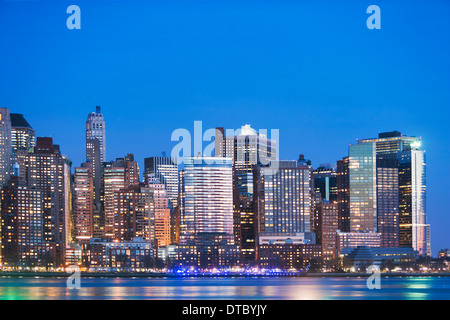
<point x="398" y="288"/>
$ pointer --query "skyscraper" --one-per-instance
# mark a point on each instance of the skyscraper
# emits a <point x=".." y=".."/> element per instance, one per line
<point x="93" y="156"/>
<point x="5" y="146"/>
<point x="21" y="223"/>
<point x="414" y="231"/>
<point x="22" y="134"/>
<point x="324" y="178"/>
<point x="363" y="194"/>
<point x="117" y="175"/>
<point x="162" y="211"/>
<point x="284" y="200"/>
<point x="207" y="201"/>
<point x="387" y="200"/>
<point x="343" y="194"/>
<point x="44" y="168"/>
<point x="83" y="198"/>
<point x="95" y="129"/>
<point x="249" y="150"/>
<point x="135" y="217"/>
<point x="166" y="170"/>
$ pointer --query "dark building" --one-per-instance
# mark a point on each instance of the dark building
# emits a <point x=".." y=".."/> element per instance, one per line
<point x="325" y="183"/>
<point x="343" y="194"/>
<point x="387" y="200"/>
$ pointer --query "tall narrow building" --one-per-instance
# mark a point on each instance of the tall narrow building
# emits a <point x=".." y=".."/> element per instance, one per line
<point x="343" y="194"/>
<point x="95" y="129"/>
<point x="162" y="211"/>
<point x="83" y="199"/>
<point x="117" y="175"/>
<point x="5" y="146"/>
<point x="249" y="150"/>
<point x="363" y="187"/>
<point x="387" y="200"/>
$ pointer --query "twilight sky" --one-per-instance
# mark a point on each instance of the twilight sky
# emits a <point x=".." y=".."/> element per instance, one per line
<point x="311" y="69"/>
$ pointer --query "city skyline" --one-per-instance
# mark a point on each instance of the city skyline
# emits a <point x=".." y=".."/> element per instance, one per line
<point x="320" y="124"/>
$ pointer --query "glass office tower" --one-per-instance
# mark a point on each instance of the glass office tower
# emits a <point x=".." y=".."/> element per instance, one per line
<point x="363" y="187"/>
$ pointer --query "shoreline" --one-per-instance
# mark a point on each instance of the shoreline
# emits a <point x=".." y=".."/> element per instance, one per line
<point x="9" y="274"/>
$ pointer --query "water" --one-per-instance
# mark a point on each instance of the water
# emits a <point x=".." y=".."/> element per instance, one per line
<point x="226" y="288"/>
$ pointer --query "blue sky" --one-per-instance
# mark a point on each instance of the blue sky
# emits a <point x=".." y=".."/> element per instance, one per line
<point x="311" y="69"/>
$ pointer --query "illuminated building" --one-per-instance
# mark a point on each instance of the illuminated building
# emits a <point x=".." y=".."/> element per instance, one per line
<point x="44" y="168"/>
<point x="284" y="199"/>
<point x="83" y="198"/>
<point x="207" y="201"/>
<point x="129" y="256"/>
<point x="343" y="194"/>
<point x="288" y="256"/>
<point x="356" y="239"/>
<point x="162" y="212"/>
<point x="413" y="229"/>
<point x="249" y="150"/>
<point x="206" y="256"/>
<point x="117" y="175"/>
<point x="363" y="256"/>
<point x="327" y="226"/>
<point x="21" y="224"/>
<point x="166" y="170"/>
<point x="135" y="216"/>
<point x="93" y="157"/>
<point x="95" y="129"/>
<point x="387" y="200"/>
<point x="22" y="134"/>
<point x="5" y="146"/>
<point x="325" y="183"/>
<point x="363" y="201"/>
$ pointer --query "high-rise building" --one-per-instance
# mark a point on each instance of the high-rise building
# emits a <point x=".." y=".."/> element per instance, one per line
<point x="327" y="227"/>
<point x="93" y="156"/>
<point x="22" y="134"/>
<point x="413" y="230"/>
<point x="387" y="200"/>
<point x="95" y="129"/>
<point x="117" y="175"/>
<point x="363" y="186"/>
<point x="284" y="200"/>
<point x="207" y="201"/>
<point x="343" y="194"/>
<point x="166" y="170"/>
<point x="113" y="182"/>
<point x="44" y="168"/>
<point x="5" y="146"/>
<point x="21" y="224"/>
<point x="83" y="198"/>
<point x="162" y="212"/>
<point x="249" y="150"/>
<point x="325" y="183"/>
<point x="135" y="217"/>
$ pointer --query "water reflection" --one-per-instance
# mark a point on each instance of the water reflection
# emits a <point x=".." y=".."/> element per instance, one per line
<point x="225" y="288"/>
